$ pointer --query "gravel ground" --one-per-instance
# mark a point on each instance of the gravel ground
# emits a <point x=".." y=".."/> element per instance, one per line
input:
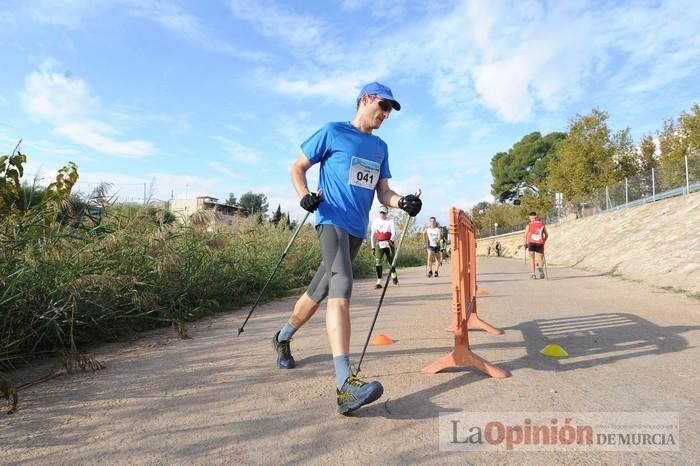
<point x="219" y="399"/>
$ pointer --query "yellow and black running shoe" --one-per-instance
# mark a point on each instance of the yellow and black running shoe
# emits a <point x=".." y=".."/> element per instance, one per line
<point x="284" y="353"/>
<point x="356" y="393"/>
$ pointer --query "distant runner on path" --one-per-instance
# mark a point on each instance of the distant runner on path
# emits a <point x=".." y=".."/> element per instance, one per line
<point x="382" y="238"/>
<point x="535" y="237"/>
<point x="432" y="235"/>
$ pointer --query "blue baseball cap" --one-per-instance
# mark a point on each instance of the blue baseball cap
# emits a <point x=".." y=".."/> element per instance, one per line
<point x="375" y="88"/>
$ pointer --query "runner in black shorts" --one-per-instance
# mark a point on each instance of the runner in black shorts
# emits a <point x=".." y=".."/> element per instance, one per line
<point x="432" y="236"/>
<point x="382" y="236"/>
<point x="354" y="170"/>
<point x="535" y="247"/>
<point x="535" y="237"/>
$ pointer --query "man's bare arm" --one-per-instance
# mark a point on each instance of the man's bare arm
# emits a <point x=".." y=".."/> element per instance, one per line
<point x="299" y="169"/>
<point x="386" y="195"/>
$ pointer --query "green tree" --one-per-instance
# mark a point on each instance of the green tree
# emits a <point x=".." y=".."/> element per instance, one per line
<point x="478" y="215"/>
<point x="277" y="216"/>
<point x="11" y="171"/>
<point x="485" y="215"/>
<point x="676" y="141"/>
<point x="58" y="193"/>
<point x="690" y="129"/>
<point x="690" y="132"/>
<point x="291" y="224"/>
<point x="524" y="167"/>
<point x="231" y="199"/>
<point x="541" y="204"/>
<point x="254" y="203"/>
<point x="589" y="158"/>
<point x="647" y="154"/>
<point x="626" y="157"/>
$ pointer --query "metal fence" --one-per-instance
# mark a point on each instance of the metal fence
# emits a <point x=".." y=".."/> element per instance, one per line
<point x="668" y="180"/>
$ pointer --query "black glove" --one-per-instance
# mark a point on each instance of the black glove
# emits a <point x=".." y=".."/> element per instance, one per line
<point x="411" y="204"/>
<point x="310" y="202"/>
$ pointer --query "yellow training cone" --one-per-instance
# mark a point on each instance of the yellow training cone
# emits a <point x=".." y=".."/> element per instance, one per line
<point x="554" y="351"/>
<point x="382" y="339"/>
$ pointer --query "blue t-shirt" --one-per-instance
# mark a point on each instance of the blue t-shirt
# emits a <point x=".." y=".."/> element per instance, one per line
<point x="352" y="163"/>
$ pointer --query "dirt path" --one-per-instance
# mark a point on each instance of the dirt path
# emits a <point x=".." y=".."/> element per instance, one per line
<point x="219" y="399"/>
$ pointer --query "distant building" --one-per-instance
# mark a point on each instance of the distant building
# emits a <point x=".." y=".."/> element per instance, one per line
<point x="225" y="214"/>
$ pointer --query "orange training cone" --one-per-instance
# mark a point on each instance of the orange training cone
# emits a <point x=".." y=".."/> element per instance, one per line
<point x="483" y="291"/>
<point x="381" y="340"/>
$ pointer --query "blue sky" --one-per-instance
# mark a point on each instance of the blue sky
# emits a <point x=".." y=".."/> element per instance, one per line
<point x="211" y="97"/>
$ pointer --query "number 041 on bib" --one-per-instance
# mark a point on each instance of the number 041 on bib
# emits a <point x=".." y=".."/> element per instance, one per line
<point x="363" y="173"/>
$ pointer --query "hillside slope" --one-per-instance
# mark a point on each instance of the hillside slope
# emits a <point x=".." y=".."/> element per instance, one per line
<point x="655" y="243"/>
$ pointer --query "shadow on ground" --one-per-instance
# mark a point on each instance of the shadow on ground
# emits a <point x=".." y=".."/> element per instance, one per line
<point x="593" y="340"/>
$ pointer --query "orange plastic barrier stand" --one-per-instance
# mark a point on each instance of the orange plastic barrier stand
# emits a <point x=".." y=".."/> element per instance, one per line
<point x="464" y="301"/>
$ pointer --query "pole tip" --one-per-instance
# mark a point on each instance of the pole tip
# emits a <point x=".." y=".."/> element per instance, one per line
<point x="240" y="330"/>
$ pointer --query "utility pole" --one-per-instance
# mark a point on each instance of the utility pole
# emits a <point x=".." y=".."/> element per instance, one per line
<point x="687" y="178"/>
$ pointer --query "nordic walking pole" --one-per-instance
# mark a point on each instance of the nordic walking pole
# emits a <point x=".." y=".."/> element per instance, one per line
<point x="386" y="285"/>
<point x="296" y="232"/>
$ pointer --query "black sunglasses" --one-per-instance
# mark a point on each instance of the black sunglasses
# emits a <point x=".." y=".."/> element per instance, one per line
<point x="385" y="105"/>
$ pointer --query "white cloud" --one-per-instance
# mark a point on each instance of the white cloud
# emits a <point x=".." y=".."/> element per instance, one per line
<point x="72" y="14"/>
<point x="186" y="186"/>
<point x="5" y="138"/>
<point x="353" y="4"/>
<point x="678" y="65"/>
<point x="301" y="32"/>
<point x="63" y="13"/>
<point x="92" y="135"/>
<point x="50" y="148"/>
<point x="221" y="168"/>
<point x="67" y="104"/>
<point x="523" y="67"/>
<point x="175" y="19"/>
<point x="55" y="97"/>
<point x="513" y="58"/>
<point x="390" y="10"/>
<point x="130" y="188"/>
<point x="290" y="130"/>
<point x="239" y="152"/>
<point x="338" y="88"/>
<point x="504" y="86"/>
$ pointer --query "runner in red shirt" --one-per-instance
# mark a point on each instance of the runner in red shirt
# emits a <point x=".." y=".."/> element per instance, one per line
<point x="535" y="237"/>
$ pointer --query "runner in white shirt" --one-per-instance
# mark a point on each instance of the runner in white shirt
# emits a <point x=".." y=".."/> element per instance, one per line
<point x="432" y="235"/>
<point x="382" y="237"/>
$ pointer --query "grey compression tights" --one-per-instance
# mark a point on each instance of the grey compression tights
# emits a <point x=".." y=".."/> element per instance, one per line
<point x="333" y="278"/>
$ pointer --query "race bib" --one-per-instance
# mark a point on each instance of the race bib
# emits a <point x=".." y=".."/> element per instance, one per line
<point x="363" y="173"/>
<point x="433" y="236"/>
<point x="536" y="235"/>
<point x="384" y="244"/>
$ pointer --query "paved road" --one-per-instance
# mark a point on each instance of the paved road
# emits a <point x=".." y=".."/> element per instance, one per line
<point x="218" y="397"/>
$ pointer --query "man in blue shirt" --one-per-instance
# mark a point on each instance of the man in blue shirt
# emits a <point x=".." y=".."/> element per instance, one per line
<point x="354" y="165"/>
